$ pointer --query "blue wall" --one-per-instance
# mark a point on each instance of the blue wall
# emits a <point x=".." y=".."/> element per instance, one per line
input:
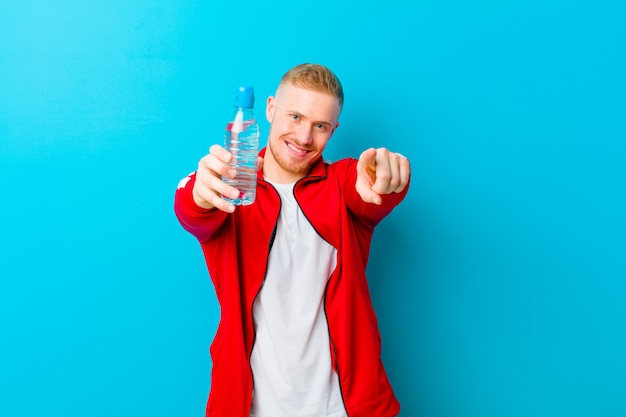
<point x="500" y="283"/>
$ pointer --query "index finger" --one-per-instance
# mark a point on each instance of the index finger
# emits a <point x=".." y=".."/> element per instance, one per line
<point x="368" y="157"/>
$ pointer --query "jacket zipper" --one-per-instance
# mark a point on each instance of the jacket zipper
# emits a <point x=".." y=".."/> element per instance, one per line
<point x="334" y="348"/>
<point x="271" y="243"/>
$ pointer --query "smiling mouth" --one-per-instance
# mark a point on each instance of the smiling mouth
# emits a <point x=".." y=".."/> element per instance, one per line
<point x="296" y="149"/>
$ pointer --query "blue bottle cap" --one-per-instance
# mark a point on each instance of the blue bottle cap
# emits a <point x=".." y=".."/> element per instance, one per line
<point x="244" y="97"/>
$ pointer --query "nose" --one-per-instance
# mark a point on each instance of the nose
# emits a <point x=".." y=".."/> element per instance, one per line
<point x="304" y="134"/>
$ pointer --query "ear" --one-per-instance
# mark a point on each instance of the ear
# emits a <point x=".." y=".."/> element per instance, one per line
<point x="270" y="108"/>
<point x="336" y="126"/>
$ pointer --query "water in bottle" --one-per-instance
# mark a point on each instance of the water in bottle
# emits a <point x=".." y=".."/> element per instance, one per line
<point x="242" y="141"/>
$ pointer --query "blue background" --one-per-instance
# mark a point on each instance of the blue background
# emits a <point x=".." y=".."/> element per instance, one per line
<point x="499" y="283"/>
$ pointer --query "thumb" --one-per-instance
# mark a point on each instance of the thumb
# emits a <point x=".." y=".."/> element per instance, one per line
<point x="259" y="163"/>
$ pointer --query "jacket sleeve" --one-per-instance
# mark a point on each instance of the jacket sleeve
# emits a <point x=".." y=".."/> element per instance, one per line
<point x="370" y="214"/>
<point x="200" y="222"/>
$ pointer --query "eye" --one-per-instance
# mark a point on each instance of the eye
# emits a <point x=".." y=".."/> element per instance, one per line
<point x="320" y="126"/>
<point x="294" y="116"/>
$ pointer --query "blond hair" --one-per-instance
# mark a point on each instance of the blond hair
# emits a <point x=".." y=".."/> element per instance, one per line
<point x="315" y="77"/>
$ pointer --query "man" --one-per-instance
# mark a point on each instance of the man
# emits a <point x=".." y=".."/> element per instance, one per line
<point x="298" y="336"/>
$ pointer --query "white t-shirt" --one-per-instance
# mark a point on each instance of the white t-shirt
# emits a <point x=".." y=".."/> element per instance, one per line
<point x="291" y="365"/>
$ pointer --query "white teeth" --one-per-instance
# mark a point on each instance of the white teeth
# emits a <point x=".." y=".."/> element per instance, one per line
<point x="291" y="146"/>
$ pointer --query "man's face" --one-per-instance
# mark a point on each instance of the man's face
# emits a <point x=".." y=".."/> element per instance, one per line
<point x="302" y="122"/>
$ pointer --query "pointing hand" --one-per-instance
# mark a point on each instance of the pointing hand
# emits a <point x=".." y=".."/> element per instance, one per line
<point x="379" y="172"/>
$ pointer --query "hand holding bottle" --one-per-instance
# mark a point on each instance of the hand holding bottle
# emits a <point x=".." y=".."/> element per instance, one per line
<point x="209" y="186"/>
<point x="226" y="177"/>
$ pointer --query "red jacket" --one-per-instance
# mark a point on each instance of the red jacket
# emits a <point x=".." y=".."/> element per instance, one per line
<point x="236" y="248"/>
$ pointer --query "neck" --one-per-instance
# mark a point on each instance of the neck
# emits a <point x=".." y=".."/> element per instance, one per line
<point x="276" y="174"/>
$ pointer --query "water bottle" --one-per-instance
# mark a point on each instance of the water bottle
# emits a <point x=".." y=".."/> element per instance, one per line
<point x="241" y="139"/>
